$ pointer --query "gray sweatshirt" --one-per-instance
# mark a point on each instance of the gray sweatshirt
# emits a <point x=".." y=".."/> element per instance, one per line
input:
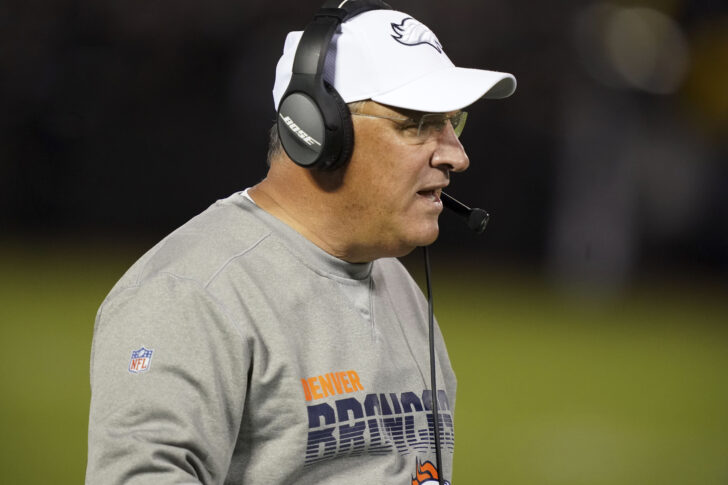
<point x="236" y="351"/>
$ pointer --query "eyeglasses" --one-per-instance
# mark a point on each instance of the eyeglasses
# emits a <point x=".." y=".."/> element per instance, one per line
<point x="426" y="126"/>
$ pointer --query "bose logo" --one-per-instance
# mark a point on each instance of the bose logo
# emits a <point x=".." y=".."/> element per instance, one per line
<point x="298" y="131"/>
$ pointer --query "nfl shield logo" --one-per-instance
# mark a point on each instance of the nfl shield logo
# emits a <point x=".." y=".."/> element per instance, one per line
<point x="140" y="360"/>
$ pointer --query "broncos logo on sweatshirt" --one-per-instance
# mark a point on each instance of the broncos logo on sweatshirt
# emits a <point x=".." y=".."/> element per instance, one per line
<point x="426" y="474"/>
<point x="411" y="32"/>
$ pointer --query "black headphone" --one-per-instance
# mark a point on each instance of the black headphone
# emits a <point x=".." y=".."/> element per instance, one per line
<point x="314" y="123"/>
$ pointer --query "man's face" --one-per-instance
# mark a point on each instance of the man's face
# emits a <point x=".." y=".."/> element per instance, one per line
<point x="394" y="179"/>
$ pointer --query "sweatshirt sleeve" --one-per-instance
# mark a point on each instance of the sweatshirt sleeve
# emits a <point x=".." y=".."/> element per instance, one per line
<point x="168" y="384"/>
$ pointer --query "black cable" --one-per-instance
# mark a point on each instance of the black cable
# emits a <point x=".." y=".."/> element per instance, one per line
<point x="433" y="378"/>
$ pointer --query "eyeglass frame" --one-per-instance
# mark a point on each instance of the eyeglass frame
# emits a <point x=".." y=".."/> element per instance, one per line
<point x="458" y="129"/>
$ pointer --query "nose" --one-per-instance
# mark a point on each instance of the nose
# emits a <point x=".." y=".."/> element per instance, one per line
<point x="449" y="153"/>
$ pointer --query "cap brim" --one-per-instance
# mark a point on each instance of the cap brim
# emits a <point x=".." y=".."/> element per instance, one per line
<point x="449" y="90"/>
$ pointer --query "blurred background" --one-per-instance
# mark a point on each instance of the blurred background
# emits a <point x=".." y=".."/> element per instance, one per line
<point x="588" y="326"/>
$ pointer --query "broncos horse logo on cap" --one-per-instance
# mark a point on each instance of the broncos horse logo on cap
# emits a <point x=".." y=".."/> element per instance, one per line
<point x="411" y="32"/>
<point x="426" y="474"/>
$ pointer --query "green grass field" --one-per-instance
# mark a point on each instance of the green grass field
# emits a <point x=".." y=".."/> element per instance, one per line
<point x="552" y="389"/>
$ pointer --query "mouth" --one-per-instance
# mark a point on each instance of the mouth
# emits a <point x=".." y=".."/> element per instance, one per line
<point x="431" y="194"/>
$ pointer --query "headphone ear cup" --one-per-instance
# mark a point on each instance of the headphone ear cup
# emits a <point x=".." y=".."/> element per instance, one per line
<point x="347" y="128"/>
<point x="302" y="129"/>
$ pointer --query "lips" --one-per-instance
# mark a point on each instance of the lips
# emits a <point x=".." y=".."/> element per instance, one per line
<point x="432" y="194"/>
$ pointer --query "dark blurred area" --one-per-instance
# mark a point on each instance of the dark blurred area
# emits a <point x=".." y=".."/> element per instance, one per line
<point x="121" y="120"/>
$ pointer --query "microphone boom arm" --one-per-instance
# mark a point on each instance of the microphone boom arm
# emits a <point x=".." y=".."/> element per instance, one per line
<point x="476" y="219"/>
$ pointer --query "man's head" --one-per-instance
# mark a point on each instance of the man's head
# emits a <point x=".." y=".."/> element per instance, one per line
<point x="405" y="98"/>
<point x="380" y="54"/>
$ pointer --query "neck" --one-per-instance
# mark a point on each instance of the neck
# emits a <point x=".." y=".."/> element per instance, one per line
<point x="311" y="204"/>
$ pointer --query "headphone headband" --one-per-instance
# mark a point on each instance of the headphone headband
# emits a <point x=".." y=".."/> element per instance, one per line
<point x="313" y="46"/>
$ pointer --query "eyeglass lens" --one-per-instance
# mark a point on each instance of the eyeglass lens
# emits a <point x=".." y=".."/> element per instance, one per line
<point x="432" y="123"/>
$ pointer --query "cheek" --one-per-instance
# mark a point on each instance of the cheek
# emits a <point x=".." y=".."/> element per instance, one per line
<point x="387" y="172"/>
<point x="396" y="186"/>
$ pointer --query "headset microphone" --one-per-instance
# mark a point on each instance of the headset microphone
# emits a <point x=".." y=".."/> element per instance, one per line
<point x="475" y="218"/>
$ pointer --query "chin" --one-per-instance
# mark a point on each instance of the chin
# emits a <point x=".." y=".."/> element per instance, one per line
<point x="405" y="241"/>
<point x="427" y="235"/>
<point x="431" y="239"/>
<point x="407" y="247"/>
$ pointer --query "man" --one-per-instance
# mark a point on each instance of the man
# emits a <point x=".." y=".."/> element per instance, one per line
<point x="274" y="339"/>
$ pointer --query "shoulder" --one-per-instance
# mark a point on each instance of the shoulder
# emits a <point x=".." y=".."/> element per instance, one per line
<point x="200" y="248"/>
<point x="170" y="282"/>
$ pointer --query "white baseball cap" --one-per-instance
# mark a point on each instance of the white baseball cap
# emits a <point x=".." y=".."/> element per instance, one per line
<point x="391" y="58"/>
